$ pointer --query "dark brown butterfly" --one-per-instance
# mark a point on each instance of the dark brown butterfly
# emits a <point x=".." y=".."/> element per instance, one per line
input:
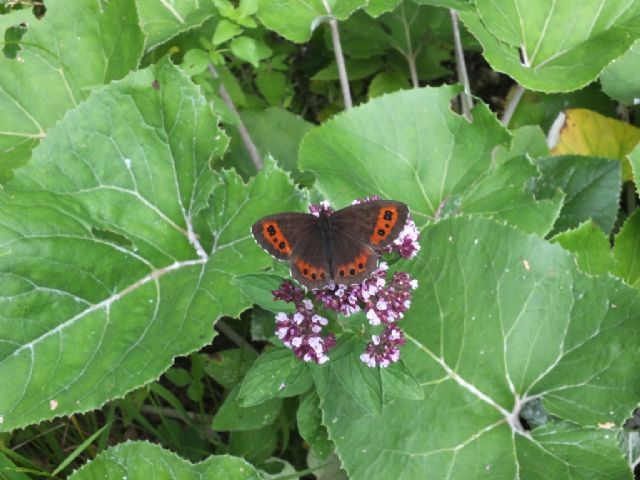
<point x="343" y="246"/>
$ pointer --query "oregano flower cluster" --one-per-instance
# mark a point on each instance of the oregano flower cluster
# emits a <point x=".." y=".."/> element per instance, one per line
<point x="382" y="297"/>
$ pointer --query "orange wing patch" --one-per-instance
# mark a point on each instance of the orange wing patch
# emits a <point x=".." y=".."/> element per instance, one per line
<point x="310" y="272"/>
<point x="354" y="268"/>
<point x="271" y="233"/>
<point x="387" y="218"/>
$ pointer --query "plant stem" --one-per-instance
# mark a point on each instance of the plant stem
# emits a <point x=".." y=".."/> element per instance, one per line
<point x="409" y="55"/>
<point x="511" y="105"/>
<point x="232" y="335"/>
<point x="342" y="67"/>
<point x="466" y="101"/>
<point x="242" y="129"/>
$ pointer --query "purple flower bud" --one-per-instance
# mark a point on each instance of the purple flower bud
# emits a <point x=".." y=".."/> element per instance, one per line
<point x="301" y="332"/>
<point x="384" y="350"/>
<point x="289" y="292"/>
<point x="323" y="206"/>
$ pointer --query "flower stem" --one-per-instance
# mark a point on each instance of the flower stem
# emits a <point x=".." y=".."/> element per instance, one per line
<point x="511" y="105"/>
<point x="242" y="129"/>
<point x="466" y="101"/>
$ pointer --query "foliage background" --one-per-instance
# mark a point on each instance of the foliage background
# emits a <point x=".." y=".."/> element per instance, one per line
<point x="140" y="140"/>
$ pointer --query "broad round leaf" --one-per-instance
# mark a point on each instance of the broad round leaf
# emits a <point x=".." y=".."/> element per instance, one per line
<point x="500" y="319"/>
<point x="620" y="79"/>
<point x="550" y="45"/>
<point x="296" y="19"/>
<point x="410" y="146"/>
<point x="161" y="19"/>
<point x="119" y="246"/>
<point x="145" y="461"/>
<point x="56" y="67"/>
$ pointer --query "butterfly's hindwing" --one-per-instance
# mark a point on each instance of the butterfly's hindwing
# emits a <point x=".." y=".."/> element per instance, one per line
<point x="308" y="263"/>
<point x="353" y="260"/>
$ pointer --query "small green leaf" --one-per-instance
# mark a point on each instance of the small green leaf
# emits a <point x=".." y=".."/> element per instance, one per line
<point x="178" y="376"/>
<point x="309" y="418"/>
<point x="225" y="30"/>
<point x="254" y="445"/>
<point x="138" y="460"/>
<point x="195" y="61"/>
<point x="591" y="247"/>
<point x="228" y="367"/>
<point x="247" y="7"/>
<point x="249" y="50"/>
<point x="626" y="251"/>
<point x="232" y="417"/>
<point x="592" y="188"/>
<point x="387" y="82"/>
<point x="276" y="373"/>
<point x="273" y="86"/>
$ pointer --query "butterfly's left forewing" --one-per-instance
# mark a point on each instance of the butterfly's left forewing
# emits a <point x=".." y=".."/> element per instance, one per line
<point x="278" y="234"/>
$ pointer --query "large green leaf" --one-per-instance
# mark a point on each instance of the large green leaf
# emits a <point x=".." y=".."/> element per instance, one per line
<point x="163" y="19"/>
<point x="591" y="247"/>
<point x="119" y="246"/>
<point x="552" y="45"/>
<point x="57" y="66"/>
<point x="500" y="319"/>
<point x="296" y="19"/>
<point x="410" y="146"/>
<point x="145" y="461"/>
<point x="620" y="79"/>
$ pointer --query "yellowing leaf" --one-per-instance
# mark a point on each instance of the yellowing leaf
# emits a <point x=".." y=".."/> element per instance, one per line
<point x="585" y="132"/>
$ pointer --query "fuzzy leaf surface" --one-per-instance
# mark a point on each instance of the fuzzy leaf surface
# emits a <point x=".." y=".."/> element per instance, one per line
<point x="120" y="246"/>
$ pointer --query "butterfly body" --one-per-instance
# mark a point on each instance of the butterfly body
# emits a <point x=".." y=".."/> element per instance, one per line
<point x="342" y="246"/>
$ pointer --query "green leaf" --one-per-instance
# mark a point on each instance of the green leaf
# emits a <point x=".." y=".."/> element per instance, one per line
<point x="225" y="30"/>
<point x="142" y="460"/>
<point x="101" y="316"/>
<point x="162" y="20"/>
<point x="195" y="61"/>
<point x="546" y="46"/>
<point x="309" y="418"/>
<point x="233" y="417"/>
<point x="590" y="246"/>
<point x="537" y="108"/>
<point x="275" y="132"/>
<point x="9" y="470"/>
<point x="506" y="195"/>
<point x="57" y="67"/>
<point x="455" y="4"/>
<point x="273" y="86"/>
<point x="376" y="8"/>
<point x="625" y="251"/>
<point x="592" y="188"/>
<point x="620" y="79"/>
<point x="249" y="50"/>
<point x="254" y="445"/>
<point x="634" y="160"/>
<point x="296" y="19"/>
<point x="178" y="376"/>
<point x="276" y="373"/>
<point x="380" y="148"/>
<point x="399" y="382"/>
<point x="527" y="140"/>
<point x="387" y="82"/>
<point x="228" y="367"/>
<point x="500" y="319"/>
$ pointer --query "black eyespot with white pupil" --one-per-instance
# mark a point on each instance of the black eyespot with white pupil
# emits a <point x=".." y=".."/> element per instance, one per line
<point x="388" y="215"/>
<point x="381" y="232"/>
<point x="352" y="271"/>
<point x="271" y="230"/>
<point x="282" y="244"/>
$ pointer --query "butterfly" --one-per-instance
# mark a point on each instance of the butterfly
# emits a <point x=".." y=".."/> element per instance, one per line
<point x="343" y="246"/>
